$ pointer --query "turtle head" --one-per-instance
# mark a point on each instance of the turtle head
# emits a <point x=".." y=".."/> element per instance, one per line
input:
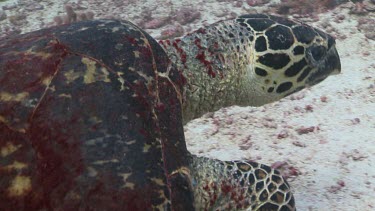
<point x="252" y="60"/>
<point x="289" y="56"/>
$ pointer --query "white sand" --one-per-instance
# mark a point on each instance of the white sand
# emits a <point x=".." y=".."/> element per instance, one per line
<point x="330" y="168"/>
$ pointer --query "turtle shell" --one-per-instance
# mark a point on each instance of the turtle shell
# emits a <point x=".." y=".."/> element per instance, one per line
<point x="90" y="119"/>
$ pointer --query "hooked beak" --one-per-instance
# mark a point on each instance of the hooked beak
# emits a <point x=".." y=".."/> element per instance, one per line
<point x="331" y="65"/>
<point x="334" y="61"/>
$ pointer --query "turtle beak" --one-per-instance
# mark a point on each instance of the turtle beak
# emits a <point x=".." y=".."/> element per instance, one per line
<point x="331" y="65"/>
<point x="334" y="61"/>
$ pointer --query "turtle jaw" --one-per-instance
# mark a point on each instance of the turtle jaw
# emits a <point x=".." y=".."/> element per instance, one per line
<point x="331" y="65"/>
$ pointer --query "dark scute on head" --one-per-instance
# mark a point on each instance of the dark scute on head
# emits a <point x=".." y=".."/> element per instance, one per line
<point x="270" y="90"/>
<point x="274" y="60"/>
<point x="282" y="20"/>
<point x="242" y="182"/>
<point x="242" y="166"/>
<point x="260" y="24"/>
<point x="263" y="196"/>
<point x="292" y="202"/>
<point x="284" y="208"/>
<point x="331" y="41"/>
<point x="251" y="179"/>
<point x="260" y="44"/>
<point x="259" y="186"/>
<point x="304" y="74"/>
<point x="276" y="178"/>
<point x="288" y="195"/>
<point x="260" y="174"/>
<point x="279" y="37"/>
<point x="332" y="60"/>
<point x="304" y="34"/>
<point x="283" y="187"/>
<point x="325" y="67"/>
<point x="298" y="50"/>
<point x="253" y="198"/>
<point x="229" y="165"/>
<point x="296" y="68"/>
<point x="271" y="187"/>
<point x="254" y="164"/>
<point x="284" y="87"/>
<point x="278" y="197"/>
<point x="266" y="168"/>
<point x="237" y="174"/>
<point x="317" y="52"/>
<point x="254" y="16"/>
<point x="261" y="72"/>
<point x="268" y="207"/>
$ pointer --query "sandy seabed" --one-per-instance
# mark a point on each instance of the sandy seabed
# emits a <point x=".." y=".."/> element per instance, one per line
<point x="321" y="138"/>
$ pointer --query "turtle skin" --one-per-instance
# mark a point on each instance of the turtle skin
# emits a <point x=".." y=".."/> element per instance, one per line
<point x="87" y="124"/>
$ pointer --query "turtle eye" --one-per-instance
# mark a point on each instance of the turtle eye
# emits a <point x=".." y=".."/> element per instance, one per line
<point x="316" y="53"/>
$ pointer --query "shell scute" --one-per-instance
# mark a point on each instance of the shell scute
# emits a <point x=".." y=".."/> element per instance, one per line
<point x="82" y="104"/>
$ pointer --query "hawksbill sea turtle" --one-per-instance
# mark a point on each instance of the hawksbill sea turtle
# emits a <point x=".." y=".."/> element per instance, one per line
<point x="92" y="113"/>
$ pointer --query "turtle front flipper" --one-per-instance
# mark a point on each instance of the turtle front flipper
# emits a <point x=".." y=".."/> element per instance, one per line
<point x="238" y="185"/>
